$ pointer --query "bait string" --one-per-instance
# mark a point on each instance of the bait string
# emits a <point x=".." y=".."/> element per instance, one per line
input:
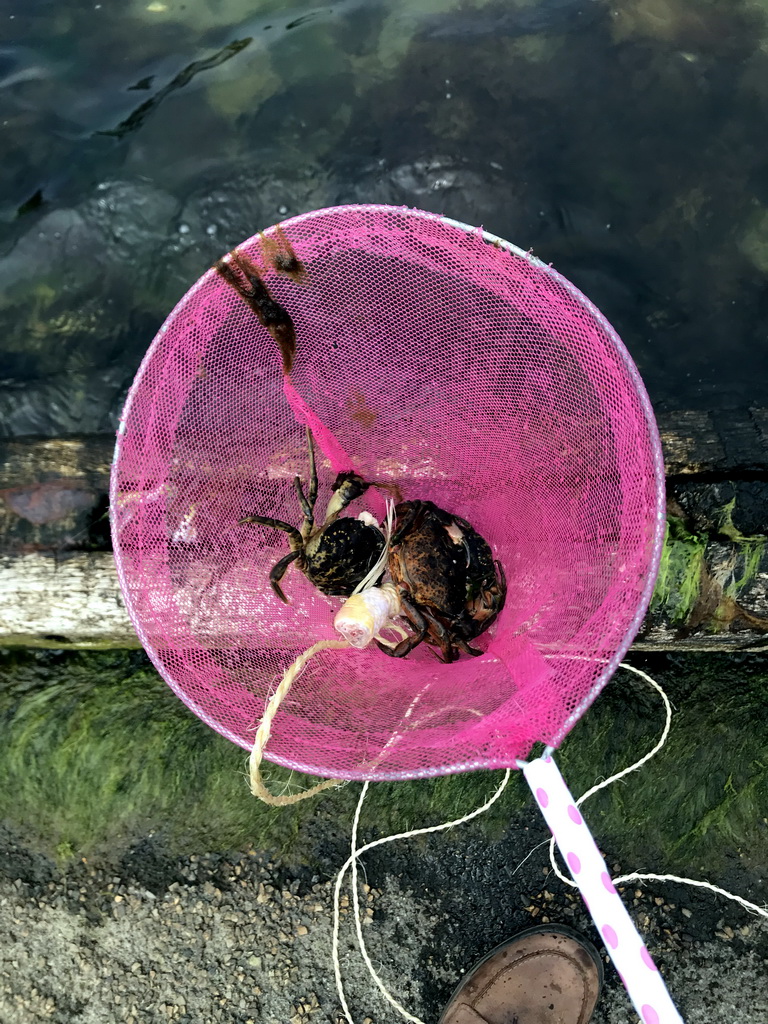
<point x="351" y="862"/>
<point x="356" y="853"/>
<point x="258" y="788"/>
<point x="291" y="674"/>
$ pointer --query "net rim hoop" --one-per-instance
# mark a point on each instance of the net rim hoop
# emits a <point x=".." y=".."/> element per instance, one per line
<point x="659" y="523"/>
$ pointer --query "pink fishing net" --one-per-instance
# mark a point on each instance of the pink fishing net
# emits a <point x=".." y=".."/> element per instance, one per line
<point x="431" y="355"/>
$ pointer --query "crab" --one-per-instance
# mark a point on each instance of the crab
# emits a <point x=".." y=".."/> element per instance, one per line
<point x="450" y="587"/>
<point x="337" y="555"/>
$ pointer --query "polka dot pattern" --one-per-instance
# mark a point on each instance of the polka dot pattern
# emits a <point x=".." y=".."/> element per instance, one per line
<point x="605" y="878"/>
<point x="573" y="814"/>
<point x="645" y="956"/>
<point x="636" y="968"/>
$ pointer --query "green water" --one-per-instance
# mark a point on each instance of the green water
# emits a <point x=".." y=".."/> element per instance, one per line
<point x="141" y="141"/>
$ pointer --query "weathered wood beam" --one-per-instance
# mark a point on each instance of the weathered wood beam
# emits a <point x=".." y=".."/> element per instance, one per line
<point x="732" y="442"/>
<point x="58" y="586"/>
<point x="75" y="601"/>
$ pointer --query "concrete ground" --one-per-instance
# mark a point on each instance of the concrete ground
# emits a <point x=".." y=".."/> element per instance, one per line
<point x="243" y="938"/>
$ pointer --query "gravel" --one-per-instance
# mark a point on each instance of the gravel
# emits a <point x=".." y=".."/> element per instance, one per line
<point x="244" y="938"/>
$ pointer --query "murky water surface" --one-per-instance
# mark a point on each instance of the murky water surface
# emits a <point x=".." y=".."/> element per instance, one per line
<point x="624" y="142"/>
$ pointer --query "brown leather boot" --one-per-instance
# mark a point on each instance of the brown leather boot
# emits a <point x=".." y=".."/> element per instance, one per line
<point x="546" y="975"/>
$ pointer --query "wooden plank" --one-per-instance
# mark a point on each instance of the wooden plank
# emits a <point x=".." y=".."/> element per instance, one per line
<point x="58" y="586"/>
<point x="75" y="602"/>
<point x="87" y="458"/>
<point x="701" y="443"/>
<point x="47" y="601"/>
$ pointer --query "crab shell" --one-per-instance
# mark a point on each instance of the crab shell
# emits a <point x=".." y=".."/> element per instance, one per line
<point x="341" y="554"/>
<point x="443" y="566"/>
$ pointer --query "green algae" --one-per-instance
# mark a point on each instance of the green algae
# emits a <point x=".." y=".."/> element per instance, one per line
<point x="683" y="566"/>
<point x="679" y="581"/>
<point x="751" y="550"/>
<point x="97" y="753"/>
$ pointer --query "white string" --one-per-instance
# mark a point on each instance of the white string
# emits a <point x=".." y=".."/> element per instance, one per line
<point x="752" y="907"/>
<point x="377" y="570"/>
<point x="625" y="771"/>
<point x="528" y="855"/>
<point x="355" y="854"/>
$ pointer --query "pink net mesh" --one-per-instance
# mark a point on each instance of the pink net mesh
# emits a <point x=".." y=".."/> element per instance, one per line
<point x="468" y="373"/>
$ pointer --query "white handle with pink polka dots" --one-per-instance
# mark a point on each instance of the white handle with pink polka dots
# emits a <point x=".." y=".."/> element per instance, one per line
<point x="638" y="973"/>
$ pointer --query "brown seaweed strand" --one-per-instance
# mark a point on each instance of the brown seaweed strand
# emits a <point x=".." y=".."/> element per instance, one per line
<point x="271" y="315"/>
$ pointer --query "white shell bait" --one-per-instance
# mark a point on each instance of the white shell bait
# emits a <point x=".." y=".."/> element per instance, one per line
<point x="370" y="609"/>
<point x="363" y="616"/>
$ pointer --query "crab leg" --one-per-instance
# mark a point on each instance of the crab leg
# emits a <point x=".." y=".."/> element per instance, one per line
<point x="346" y="488"/>
<point x="312" y="470"/>
<point x="306" y="507"/>
<point x="464" y="646"/>
<point x="294" y="537"/>
<point x="406" y="646"/>
<point x="278" y="571"/>
<point x="441" y="635"/>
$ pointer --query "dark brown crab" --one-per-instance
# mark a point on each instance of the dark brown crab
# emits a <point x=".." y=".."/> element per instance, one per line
<point x="335" y="556"/>
<point x="450" y="587"/>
